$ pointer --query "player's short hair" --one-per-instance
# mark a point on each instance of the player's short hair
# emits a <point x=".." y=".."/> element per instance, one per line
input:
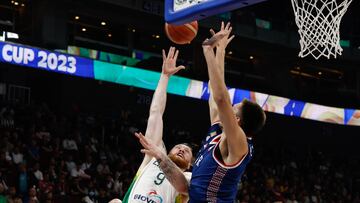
<point x="194" y="149"/>
<point x="252" y="117"/>
<point x="190" y="146"/>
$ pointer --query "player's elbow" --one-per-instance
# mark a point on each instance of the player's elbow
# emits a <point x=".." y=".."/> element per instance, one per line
<point x="221" y="98"/>
<point x="154" y="117"/>
<point x="155" y="110"/>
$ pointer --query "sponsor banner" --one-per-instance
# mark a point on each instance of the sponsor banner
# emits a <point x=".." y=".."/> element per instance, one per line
<point x="46" y="60"/>
<point x="72" y="65"/>
<point x="138" y="77"/>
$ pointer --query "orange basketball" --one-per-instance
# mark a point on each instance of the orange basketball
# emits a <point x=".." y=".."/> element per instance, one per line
<point x="181" y="34"/>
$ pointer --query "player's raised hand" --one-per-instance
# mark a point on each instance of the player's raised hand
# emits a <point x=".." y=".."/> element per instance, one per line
<point x="220" y="39"/>
<point x="209" y="44"/>
<point x="226" y="30"/>
<point x="149" y="147"/>
<point x="169" y="62"/>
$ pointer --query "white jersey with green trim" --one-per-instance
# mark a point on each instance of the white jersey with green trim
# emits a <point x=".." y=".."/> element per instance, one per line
<point x="151" y="186"/>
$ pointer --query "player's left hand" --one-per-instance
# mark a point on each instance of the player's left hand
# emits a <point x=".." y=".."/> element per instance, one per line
<point x="149" y="147"/>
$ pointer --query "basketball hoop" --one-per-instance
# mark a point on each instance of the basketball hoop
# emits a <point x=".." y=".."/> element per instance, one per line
<point x="319" y="26"/>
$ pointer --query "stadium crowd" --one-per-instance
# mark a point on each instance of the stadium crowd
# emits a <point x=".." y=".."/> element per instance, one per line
<point x="81" y="157"/>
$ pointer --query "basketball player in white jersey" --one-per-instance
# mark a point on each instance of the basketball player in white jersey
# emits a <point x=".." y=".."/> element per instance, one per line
<point x="150" y="184"/>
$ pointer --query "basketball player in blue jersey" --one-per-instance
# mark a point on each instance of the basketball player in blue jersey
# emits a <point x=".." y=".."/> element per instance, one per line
<point x="227" y="148"/>
<point x="161" y="177"/>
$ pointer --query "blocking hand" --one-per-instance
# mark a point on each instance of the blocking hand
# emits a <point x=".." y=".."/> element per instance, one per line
<point x="169" y="62"/>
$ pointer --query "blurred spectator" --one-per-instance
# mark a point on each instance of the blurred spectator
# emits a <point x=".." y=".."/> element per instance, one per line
<point x="32" y="197"/>
<point x="88" y="165"/>
<point x="90" y="192"/>
<point x="103" y="167"/>
<point x="17" y="156"/>
<point x="11" y="197"/>
<point x="23" y="180"/>
<point x="70" y="164"/>
<point x="5" y="163"/>
<point x="3" y="181"/>
<point x="103" y="196"/>
<point x="87" y="157"/>
<point x="53" y="176"/>
<point x="69" y="144"/>
<point x="37" y="173"/>
<point x="48" y="197"/>
<point x="77" y="172"/>
<point x="46" y="185"/>
<point x="33" y="151"/>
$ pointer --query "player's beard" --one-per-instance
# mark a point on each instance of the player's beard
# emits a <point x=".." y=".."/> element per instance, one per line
<point x="181" y="163"/>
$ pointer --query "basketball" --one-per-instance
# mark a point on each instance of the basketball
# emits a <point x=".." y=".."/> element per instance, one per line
<point x="181" y="34"/>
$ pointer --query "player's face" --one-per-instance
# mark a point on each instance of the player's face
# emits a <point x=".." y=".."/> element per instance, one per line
<point x="181" y="155"/>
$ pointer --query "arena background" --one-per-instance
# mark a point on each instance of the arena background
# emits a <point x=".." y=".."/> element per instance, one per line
<point x="297" y="160"/>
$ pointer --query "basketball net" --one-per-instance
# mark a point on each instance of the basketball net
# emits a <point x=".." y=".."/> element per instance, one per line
<point x="319" y="26"/>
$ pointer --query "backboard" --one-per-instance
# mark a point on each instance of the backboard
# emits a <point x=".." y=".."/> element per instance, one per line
<point x="183" y="11"/>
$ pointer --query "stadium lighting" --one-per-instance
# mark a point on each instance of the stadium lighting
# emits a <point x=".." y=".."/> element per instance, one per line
<point x="12" y="35"/>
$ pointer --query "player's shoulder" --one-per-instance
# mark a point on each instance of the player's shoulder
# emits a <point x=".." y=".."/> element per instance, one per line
<point x="147" y="162"/>
<point x="215" y="128"/>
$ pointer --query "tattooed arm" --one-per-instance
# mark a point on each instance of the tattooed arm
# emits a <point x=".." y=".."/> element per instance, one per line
<point x="171" y="171"/>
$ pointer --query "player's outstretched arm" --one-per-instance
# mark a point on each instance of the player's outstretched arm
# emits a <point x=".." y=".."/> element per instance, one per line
<point x="220" y="56"/>
<point x="154" y="129"/>
<point x="171" y="171"/>
<point x="235" y="140"/>
<point x="213" y="109"/>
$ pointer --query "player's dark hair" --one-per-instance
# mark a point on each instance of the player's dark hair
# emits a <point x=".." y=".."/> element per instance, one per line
<point x="252" y="117"/>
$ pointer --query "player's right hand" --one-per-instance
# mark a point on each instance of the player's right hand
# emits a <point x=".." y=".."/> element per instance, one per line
<point x="220" y="39"/>
<point x="169" y="62"/>
<point x="226" y="39"/>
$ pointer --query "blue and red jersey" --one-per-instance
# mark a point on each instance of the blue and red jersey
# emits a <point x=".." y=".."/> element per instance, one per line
<point x="212" y="180"/>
